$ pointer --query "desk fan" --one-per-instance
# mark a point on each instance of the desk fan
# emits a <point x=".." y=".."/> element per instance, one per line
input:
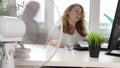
<point x="17" y="34"/>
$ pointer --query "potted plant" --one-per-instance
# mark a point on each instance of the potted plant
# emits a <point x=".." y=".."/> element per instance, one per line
<point x="94" y="41"/>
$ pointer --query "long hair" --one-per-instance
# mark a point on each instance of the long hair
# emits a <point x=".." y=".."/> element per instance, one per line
<point x="80" y="25"/>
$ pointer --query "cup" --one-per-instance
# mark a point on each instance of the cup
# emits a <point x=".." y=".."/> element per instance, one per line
<point x="70" y="46"/>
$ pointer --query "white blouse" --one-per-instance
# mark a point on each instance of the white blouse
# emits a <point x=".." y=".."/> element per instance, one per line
<point x="72" y="38"/>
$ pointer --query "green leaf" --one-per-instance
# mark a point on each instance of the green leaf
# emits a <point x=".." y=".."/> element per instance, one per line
<point x="95" y="39"/>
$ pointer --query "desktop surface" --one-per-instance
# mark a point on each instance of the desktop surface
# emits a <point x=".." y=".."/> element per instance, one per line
<point x="74" y="58"/>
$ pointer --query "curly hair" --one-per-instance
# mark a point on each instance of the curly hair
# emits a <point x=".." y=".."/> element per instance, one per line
<point x="80" y="25"/>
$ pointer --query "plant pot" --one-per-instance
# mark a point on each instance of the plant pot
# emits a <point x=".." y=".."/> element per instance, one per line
<point x="94" y="52"/>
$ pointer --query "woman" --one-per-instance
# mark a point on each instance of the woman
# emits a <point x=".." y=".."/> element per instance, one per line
<point x="73" y="24"/>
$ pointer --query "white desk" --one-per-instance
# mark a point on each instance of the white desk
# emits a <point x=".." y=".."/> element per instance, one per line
<point x="75" y="58"/>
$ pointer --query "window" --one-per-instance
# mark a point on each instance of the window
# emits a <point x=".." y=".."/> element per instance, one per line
<point x="21" y="4"/>
<point x="99" y="10"/>
<point x="107" y="13"/>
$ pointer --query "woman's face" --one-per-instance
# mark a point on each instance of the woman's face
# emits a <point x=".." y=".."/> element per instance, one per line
<point x="75" y="14"/>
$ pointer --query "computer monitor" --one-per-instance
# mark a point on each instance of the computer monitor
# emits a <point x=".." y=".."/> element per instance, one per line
<point x="114" y="40"/>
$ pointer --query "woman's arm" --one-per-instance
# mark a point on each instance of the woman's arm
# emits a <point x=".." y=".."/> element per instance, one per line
<point x="62" y="45"/>
<point x="54" y="42"/>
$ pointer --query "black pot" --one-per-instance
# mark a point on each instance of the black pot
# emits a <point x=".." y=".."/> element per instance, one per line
<point x="94" y="51"/>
